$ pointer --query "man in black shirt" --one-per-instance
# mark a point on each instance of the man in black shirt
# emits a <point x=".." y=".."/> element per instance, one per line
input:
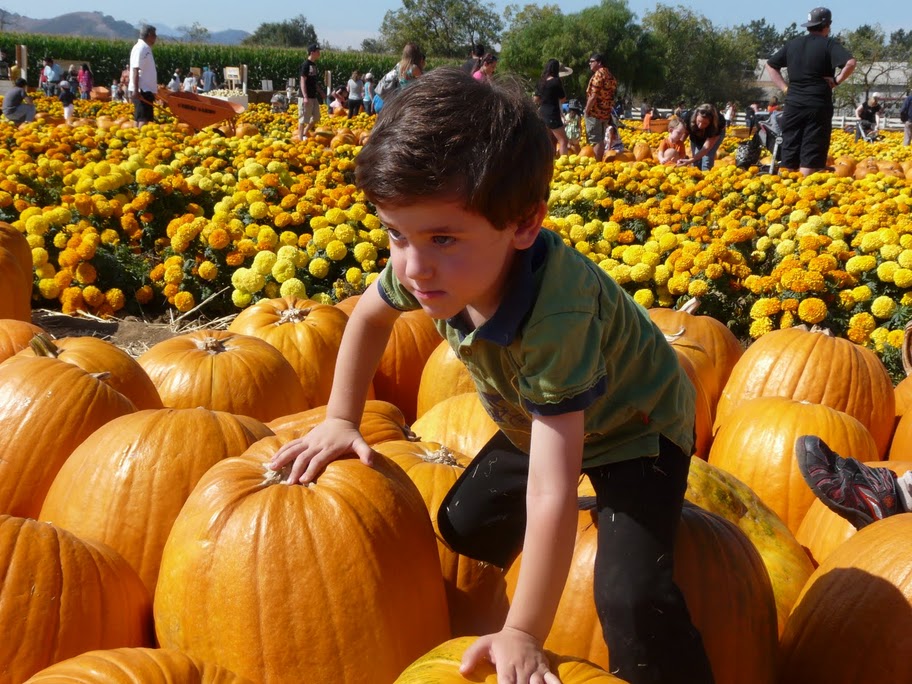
<point x="868" y="113"/>
<point x="473" y="63"/>
<point x="309" y="103"/>
<point x="807" y="121"/>
<point x="17" y="105"/>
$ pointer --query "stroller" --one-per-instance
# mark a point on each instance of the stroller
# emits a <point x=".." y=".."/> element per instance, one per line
<point x="867" y="131"/>
<point x="768" y="137"/>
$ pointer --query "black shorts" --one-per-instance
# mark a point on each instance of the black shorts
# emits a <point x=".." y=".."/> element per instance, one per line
<point x="553" y="122"/>
<point x="806" y="137"/>
<point x="142" y="106"/>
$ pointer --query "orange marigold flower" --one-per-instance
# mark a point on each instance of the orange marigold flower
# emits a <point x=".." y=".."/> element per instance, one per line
<point x="144" y="294"/>
<point x="115" y="299"/>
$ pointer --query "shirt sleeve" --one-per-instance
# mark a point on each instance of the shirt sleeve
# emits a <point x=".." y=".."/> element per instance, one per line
<point x="778" y="60"/>
<point x="393" y="293"/>
<point x="839" y="55"/>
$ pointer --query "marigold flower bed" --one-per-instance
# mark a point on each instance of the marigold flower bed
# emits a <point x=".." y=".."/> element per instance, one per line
<point x="120" y="220"/>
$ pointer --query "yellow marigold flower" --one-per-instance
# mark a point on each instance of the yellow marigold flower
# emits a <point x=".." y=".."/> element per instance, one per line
<point x="895" y="338"/>
<point x="272" y="289"/>
<point x="287" y="238"/>
<point x="60" y="240"/>
<point x="247" y="247"/>
<point x="241" y="299"/>
<point x="319" y="267"/>
<point x="37" y="225"/>
<point x="902" y="278"/>
<point x="859" y="264"/>
<point x="93" y="296"/>
<point x="862" y="324"/>
<point x="365" y="251"/>
<point x="336" y="250"/>
<point x="267" y="238"/>
<point x="174" y="261"/>
<point x="319" y="222"/>
<point x="621" y="273"/>
<point x="353" y="276"/>
<point x="371" y="277"/>
<point x="904" y="258"/>
<point x="765" y="307"/>
<point x="697" y="288"/>
<point x="644" y="298"/>
<point x="248" y="280"/>
<point x="345" y="233"/>
<point x="336" y="216"/>
<point x="49" y="288"/>
<point x="283" y="269"/>
<point x="293" y="288"/>
<point x="785" y="247"/>
<point x="812" y="310"/>
<point x="678" y="284"/>
<point x="219" y="238"/>
<point x="611" y="230"/>
<point x="641" y="273"/>
<point x="786" y="320"/>
<point x="890" y="252"/>
<point x="85" y="274"/>
<point x="258" y="210"/>
<point x="323" y="298"/>
<point x="760" y="327"/>
<point x="322" y="237"/>
<point x="370" y="222"/>
<point x="379" y="238"/>
<point x="174" y="275"/>
<point x="714" y="271"/>
<point x="871" y="242"/>
<point x="883" y="307"/>
<point x="862" y="293"/>
<point x="289" y="252"/>
<point x="886" y="271"/>
<point x="208" y="270"/>
<point x="39" y="256"/>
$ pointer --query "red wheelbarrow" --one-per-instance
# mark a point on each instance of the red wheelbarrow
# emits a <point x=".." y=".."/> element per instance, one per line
<point x="199" y="111"/>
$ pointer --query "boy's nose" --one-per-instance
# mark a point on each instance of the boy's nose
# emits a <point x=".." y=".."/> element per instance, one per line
<point x="418" y="265"/>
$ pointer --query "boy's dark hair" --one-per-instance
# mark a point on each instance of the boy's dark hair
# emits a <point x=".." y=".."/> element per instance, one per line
<point x="478" y="50"/>
<point x="451" y="137"/>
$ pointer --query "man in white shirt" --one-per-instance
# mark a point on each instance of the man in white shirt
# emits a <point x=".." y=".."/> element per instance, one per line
<point x="143" y="76"/>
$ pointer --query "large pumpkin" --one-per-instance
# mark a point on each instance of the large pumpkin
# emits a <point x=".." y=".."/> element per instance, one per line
<point x="15" y="336"/>
<point x="413" y="339"/>
<point x="337" y="581"/>
<point x="853" y="621"/>
<point x="127" y="482"/>
<point x="444" y="376"/>
<point x="703" y="415"/>
<point x="61" y="596"/>
<point x="822" y="531"/>
<point x="757" y="445"/>
<point x="95" y="355"/>
<point x="476" y="591"/>
<point x="725" y="584"/>
<point x="459" y="423"/>
<point x="224" y="371"/>
<point x="15" y="274"/>
<point x="307" y="333"/>
<point x="47" y="408"/>
<point x="380" y="422"/>
<point x="814" y="366"/>
<point x="135" y="665"/>
<point x="441" y="666"/>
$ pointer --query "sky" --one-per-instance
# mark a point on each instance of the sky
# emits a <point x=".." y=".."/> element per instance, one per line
<point x="361" y="19"/>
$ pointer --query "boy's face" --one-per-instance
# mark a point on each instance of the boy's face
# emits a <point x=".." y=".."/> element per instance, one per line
<point x="677" y="135"/>
<point x="453" y="260"/>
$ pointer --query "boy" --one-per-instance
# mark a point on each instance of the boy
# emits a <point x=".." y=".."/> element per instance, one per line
<point x="572" y="370"/>
<point x="672" y="147"/>
<point x="67" y="98"/>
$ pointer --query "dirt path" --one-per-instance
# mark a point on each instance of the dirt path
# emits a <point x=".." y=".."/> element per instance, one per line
<point x="132" y="334"/>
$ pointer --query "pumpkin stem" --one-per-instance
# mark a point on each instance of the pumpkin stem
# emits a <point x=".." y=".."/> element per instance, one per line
<point x="104" y="376"/>
<point x="691" y="306"/>
<point x="273" y="477"/>
<point x="43" y="345"/>
<point x="294" y="315"/>
<point x="442" y="455"/>
<point x="820" y="329"/>
<point x="213" y="345"/>
<point x="671" y="338"/>
<point x="907" y="348"/>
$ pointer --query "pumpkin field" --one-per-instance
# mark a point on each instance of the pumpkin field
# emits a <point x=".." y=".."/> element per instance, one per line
<point x="143" y="537"/>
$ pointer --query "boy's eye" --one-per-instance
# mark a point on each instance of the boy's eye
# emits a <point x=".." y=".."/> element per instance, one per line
<point x="393" y="233"/>
<point x="443" y="239"/>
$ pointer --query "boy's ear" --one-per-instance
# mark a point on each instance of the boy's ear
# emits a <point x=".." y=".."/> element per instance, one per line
<point x="528" y="228"/>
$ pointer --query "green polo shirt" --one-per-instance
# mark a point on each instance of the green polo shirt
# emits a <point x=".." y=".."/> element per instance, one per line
<point x="566" y="337"/>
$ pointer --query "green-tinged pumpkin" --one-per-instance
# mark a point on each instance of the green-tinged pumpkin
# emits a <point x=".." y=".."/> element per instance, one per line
<point x="853" y="621"/>
<point x="338" y="581"/>
<point x="126" y="483"/>
<point x="723" y="580"/>
<point x="47" y="408"/>
<point x="757" y="445"/>
<point x="307" y="333"/>
<point x="135" y="666"/>
<point x="476" y="591"/>
<point x="441" y="666"/>
<point x="61" y="596"/>
<point x="224" y="371"/>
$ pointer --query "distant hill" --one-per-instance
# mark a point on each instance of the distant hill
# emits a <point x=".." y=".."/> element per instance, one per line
<point x="98" y="25"/>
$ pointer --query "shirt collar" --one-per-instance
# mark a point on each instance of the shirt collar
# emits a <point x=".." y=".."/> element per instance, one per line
<point x="519" y="296"/>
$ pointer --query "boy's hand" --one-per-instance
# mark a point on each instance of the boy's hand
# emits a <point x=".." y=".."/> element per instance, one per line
<point x="516" y="655"/>
<point x="321" y="446"/>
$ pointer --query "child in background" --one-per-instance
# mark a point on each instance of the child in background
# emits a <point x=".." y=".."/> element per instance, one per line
<point x="467" y="247"/>
<point x="613" y="142"/>
<point x="672" y="147"/>
<point x="572" y="125"/>
<point x="67" y="97"/>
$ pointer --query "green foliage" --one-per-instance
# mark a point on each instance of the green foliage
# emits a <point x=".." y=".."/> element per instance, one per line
<point x="445" y="28"/>
<point x="292" y="33"/>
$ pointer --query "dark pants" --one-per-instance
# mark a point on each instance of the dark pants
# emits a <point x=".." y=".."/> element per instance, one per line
<point x="354" y="106"/>
<point x="644" y="618"/>
<point x="806" y="136"/>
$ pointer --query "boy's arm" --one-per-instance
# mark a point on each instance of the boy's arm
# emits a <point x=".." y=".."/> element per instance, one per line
<point x="366" y="334"/>
<point x="551" y="520"/>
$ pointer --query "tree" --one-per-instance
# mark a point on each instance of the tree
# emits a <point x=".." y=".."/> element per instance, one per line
<point x="869" y="47"/>
<point x="195" y="33"/>
<point x="445" y="28"/>
<point x="765" y="39"/>
<point x="374" y="46"/>
<point x="297" y="32"/>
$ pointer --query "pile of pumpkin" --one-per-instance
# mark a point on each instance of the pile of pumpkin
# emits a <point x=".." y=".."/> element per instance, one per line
<point x="143" y="537"/>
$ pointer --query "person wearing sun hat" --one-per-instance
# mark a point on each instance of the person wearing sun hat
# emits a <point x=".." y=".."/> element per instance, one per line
<point x="812" y="61"/>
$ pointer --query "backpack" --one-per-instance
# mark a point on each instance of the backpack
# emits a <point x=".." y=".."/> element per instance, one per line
<point x="389" y="83"/>
<point x="906" y="110"/>
<point x="748" y="153"/>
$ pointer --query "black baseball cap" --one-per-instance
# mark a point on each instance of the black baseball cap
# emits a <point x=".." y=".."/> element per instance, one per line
<point x="819" y="16"/>
<point x="313" y="47"/>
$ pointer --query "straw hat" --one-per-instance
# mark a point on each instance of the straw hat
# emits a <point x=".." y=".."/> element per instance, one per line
<point x="564" y="71"/>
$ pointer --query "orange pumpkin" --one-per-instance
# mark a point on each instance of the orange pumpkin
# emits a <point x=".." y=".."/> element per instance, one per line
<point x="224" y="371"/>
<point x="380" y="422"/>
<point x="15" y="336"/>
<point x="713" y="558"/>
<point x="853" y="621"/>
<point x="307" y="333"/>
<point x="146" y="665"/>
<point x="703" y="413"/>
<point x="444" y="376"/>
<point x="459" y="423"/>
<point x="316" y="563"/>
<point x="441" y="666"/>
<point x="347" y="305"/>
<point x="15" y="274"/>
<point x="157" y="467"/>
<point x="62" y="596"/>
<point x="95" y="355"/>
<point x="476" y="591"/>
<point x="757" y="445"/>
<point x="814" y="366"/>
<point x="47" y="408"/>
